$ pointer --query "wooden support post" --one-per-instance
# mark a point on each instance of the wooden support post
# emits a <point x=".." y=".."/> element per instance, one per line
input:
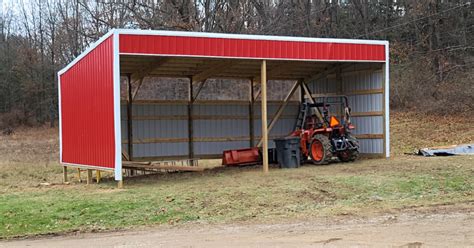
<point x="79" y="175"/>
<point x="281" y="108"/>
<point x="89" y="176"/>
<point x="251" y="114"/>
<point x="65" y="179"/>
<point x="120" y="184"/>
<point x="97" y="176"/>
<point x="190" y="121"/>
<point x="263" y="80"/>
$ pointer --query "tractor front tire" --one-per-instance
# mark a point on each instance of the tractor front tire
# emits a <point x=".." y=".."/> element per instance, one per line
<point x="320" y="149"/>
<point x="350" y="155"/>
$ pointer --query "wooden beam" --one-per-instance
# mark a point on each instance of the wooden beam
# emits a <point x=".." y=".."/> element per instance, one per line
<point x="135" y="92"/>
<point x="89" y="176"/>
<point x="164" y="167"/>
<point x="258" y="94"/>
<point x="79" y="175"/>
<point x="97" y="176"/>
<point x="140" y="75"/>
<point x="369" y="136"/>
<point x="201" y="86"/>
<point x="365" y="92"/>
<point x="351" y="93"/>
<point x="274" y="71"/>
<point x="367" y="114"/>
<point x="215" y="68"/>
<point x="125" y="154"/>
<point x="281" y="108"/>
<point x="65" y="179"/>
<point x="145" y="70"/>
<point x="264" y="115"/>
<point x="120" y="184"/>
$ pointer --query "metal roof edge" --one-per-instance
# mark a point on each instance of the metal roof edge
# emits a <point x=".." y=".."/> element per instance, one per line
<point x="87" y="51"/>
<point x="213" y="35"/>
<point x="247" y="36"/>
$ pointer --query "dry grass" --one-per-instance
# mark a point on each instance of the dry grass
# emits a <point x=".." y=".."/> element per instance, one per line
<point x="411" y="131"/>
<point x="29" y="157"/>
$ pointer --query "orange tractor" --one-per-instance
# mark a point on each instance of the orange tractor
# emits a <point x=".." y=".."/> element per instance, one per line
<point x="324" y="136"/>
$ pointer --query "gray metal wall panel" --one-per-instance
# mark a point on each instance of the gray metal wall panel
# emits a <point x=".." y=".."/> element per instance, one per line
<point x="273" y="108"/>
<point x="124" y="129"/>
<point x="123" y="125"/>
<point x="366" y="103"/>
<point x="324" y="85"/>
<point x="282" y="127"/>
<point x="227" y="109"/>
<point x="205" y="148"/>
<point x="160" y="149"/>
<point x="221" y="128"/>
<point x="368" y="124"/>
<point x="371" y="145"/>
<point x="362" y="81"/>
<point x="356" y="81"/>
<point x="159" y="109"/>
<point x="123" y="111"/>
<point x="148" y="129"/>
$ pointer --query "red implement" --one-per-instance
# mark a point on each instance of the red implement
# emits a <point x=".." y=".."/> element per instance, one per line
<point x="245" y="156"/>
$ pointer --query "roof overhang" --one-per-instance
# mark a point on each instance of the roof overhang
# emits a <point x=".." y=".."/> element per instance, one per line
<point x="204" y="55"/>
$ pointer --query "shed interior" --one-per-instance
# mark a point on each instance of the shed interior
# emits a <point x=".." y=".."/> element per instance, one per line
<point x="192" y="128"/>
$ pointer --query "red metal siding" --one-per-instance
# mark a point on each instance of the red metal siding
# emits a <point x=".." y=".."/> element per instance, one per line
<point x="246" y="48"/>
<point x="87" y="109"/>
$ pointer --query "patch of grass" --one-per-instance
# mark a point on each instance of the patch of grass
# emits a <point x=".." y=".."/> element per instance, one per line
<point x="243" y="194"/>
<point x="29" y="157"/>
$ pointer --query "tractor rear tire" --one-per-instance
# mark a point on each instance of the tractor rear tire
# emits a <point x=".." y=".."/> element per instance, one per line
<point x="320" y="149"/>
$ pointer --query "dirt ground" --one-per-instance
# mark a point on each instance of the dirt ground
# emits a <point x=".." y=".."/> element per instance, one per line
<point x="440" y="227"/>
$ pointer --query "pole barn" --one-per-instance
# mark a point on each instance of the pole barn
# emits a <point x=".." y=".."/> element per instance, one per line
<point x="99" y="131"/>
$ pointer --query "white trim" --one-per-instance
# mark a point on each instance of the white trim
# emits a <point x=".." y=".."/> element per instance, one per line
<point x="247" y="36"/>
<point x="60" y="121"/>
<point x="88" y="167"/>
<point x="88" y="50"/>
<point x="117" y="121"/>
<point x="251" y="58"/>
<point x="387" y="101"/>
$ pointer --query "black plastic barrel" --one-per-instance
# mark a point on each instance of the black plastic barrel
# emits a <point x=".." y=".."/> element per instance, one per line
<point x="288" y="152"/>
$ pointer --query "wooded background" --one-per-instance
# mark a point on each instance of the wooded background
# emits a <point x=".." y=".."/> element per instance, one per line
<point x="431" y="42"/>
